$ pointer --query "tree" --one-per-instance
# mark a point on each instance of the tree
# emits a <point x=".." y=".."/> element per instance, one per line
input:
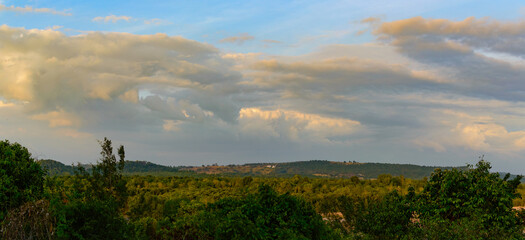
<point x="105" y="178"/>
<point x="383" y="218"/>
<point x="474" y="194"/>
<point x="92" y="211"/>
<point x="21" y="178"/>
<point x="264" y="215"/>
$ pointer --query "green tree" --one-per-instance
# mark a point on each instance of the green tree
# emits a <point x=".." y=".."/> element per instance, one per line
<point x="474" y="194"/>
<point x="105" y="178"/>
<point x="264" y="215"/>
<point x="383" y="218"/>
<point x="21" y="178"/>
<point x="92" y="210"/>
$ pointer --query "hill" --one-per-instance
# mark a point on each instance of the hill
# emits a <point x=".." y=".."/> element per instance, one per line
<point x="312" y="168"/>
<point x="321" y="168"/>
<point x="131" y="168"/>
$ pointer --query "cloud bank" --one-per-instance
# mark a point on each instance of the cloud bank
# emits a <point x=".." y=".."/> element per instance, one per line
<point x="429" y="91"/>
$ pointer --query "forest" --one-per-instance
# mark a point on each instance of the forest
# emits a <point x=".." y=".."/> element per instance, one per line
<point x="101" y="202"/>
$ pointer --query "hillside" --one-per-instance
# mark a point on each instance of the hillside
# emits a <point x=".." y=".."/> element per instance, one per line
<point x="321" y="168"/>
<point x="131" y="168"/>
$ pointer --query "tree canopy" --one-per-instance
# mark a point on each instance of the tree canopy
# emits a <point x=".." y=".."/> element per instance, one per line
<point x="21" y="178"/>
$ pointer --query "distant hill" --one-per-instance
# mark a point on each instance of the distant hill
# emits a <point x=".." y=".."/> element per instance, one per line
<point x="349" y="169"/>
<point x="321" y="168"/>
<point x="55" y="167"/>
<point x="312" y="168"/>
<point x="130" y="168"/>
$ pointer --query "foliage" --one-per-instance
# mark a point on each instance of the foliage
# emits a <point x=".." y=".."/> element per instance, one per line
<point x="475" y="194"/>
<point x="265" y="215"/>
<point x="388" y="217"/>
<point x="90" y="220"/>
<point x="91" y="209"/>
<point x="21" y="178"/>
<point x="100" y="202"/>
<point x="105" y="178"/>
<point x="471" y="228"/>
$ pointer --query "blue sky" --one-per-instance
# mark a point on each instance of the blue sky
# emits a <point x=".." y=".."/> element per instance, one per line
<point x="229" y="82"/>
<point x="301" y="26"/>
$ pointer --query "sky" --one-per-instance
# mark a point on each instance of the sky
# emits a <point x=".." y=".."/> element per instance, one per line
<point x="189" y="83"/>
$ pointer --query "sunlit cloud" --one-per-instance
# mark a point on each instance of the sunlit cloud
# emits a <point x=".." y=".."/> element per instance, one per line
<point x="426" y="87"/>
<point x="30" y="9"/>
<point x="240" y="39"/>
<point x="58" y="119"/>
<point x="154" y="21"/>
<point x="112" y="18"/>
<point x="294" y="125"/>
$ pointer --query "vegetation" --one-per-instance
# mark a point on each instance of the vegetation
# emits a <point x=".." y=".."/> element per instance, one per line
<point x="102" y="202"/>
<point x="21" y="178"/>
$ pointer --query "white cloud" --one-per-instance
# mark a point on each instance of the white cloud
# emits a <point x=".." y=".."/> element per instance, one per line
<point x="240" y="39"/>
<point x="29" y="9"/>
<point x="480" y="133"/>
<point x="112" y="18"/>
<point x="293" y="125"/>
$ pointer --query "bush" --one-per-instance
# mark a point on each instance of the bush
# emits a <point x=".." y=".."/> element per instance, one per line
<point x="29" y="221"/>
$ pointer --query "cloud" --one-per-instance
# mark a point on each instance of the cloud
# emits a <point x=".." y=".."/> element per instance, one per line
<point x="241" y="39"/>
<point x="466" y="51"/>
<point x="29" y="9"/>
<point x="170" y="125"/>
<point x="154" y="21"/>
<point x="4" y="105"/>
<point x="49" y="72"/>
<point x="371" y="20"/>
<point x="423" y="92"/>
<point x="338" y="75"/>
<point x="112" y="18"/>
<point x="58" y="119"/>
<point x="293" y="125"/>
<point x="480" y="133"/>
<point x="471" y="33"/>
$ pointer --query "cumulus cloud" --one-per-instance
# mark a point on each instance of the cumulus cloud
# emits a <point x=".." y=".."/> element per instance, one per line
<point x="475" y="132"/>
<point x="51" y="73"/>
<point x="240" y="39"/>
<point x="29" y="9"/>
<point x="112" y="18"/>
<point x="293" y="125"/>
